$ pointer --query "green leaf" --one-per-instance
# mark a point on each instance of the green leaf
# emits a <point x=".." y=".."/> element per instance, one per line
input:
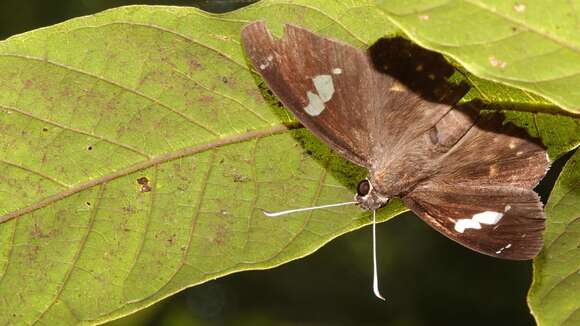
<point x="136" y="155"/>
<point x="553" y="297"/>
<point x="137" y="151"/>
<point x="533" y="45"/>
<point x="559" y="131"/>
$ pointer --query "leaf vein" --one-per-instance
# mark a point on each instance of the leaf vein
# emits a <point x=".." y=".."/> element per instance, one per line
<point x="56" y="124"/>
<point x="116" y="84"/>
<point x="145" y="164"/>
<point x="38" y="173"/>
<point x="77" y="254"/>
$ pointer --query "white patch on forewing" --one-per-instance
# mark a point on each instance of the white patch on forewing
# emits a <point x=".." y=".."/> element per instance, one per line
<point x="325" y="89"/>
<point x="324" y="86"/>
<point x="487" y="217"/>
<point x="267" y="63"/>
<point x="337" y="71"/>
<point x="503" y="248"/>
<point x="315" y="104"/>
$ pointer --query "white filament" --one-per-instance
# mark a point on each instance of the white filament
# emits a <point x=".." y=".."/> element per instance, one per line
<point x="273" y="214"/>
<point x="375" y="272"/>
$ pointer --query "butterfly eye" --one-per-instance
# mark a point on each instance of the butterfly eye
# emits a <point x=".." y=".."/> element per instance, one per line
<point x="363" y="188"/>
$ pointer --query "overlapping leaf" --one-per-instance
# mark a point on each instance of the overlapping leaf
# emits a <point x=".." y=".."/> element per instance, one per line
<point x="533" y="45"/>
<point x="554" y="296"/>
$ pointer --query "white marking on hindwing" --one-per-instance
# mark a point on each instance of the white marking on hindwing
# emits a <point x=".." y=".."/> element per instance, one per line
<point x="325" y="89"/>
<point x="487" y="218"/>
<point x="503" y="248"/>
<point x="337" y="71"/>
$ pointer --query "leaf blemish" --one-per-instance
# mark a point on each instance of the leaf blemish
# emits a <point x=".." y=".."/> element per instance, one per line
<point x="520" y="7"/>
<point x="495" y="62"/>
<point x="144" y="182"/>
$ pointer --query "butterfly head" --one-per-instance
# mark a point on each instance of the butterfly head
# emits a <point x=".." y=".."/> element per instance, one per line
<point x="368" y="198"/>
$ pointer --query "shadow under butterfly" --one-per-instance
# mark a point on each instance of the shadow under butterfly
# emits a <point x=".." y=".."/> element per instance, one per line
<point x="392" y="111"/>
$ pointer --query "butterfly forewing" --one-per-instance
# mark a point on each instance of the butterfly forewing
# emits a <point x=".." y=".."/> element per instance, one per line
<point x="326" y="84"/>
<point x="343" y="95"/>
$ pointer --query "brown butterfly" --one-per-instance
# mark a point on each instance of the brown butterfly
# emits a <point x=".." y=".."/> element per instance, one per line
<point x="467" y="175"/>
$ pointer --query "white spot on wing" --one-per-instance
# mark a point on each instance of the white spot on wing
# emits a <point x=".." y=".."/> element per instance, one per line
<point x="324" y="86"/>
<point x="503" y="248"/>
<point x="315" y="104"/>
<point x="466" y="223"/>
<point x="424" y="17"/>
<point x="267" y="63"/>
<point x="337" y="71"/>
<point x="487" y="217"/>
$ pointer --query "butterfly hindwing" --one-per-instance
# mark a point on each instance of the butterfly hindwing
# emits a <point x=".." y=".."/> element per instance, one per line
<point x="504" y="222"/>
<point x="491" y="168"/>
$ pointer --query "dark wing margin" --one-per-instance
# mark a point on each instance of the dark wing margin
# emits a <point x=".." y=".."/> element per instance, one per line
<point x="326" y="84"/>
<point x="503" y="222"/>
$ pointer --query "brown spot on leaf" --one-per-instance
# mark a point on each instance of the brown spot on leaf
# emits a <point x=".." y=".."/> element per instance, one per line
<point x="240" y="178"/>
<point x="45" y="129"/>
<point x="194" y="64"/>
<point x="144" y="182"/>
<point x="206" y="99"/>
<point x="220" y="235"/>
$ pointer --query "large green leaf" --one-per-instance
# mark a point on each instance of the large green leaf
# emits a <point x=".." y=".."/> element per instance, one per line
<point x="555" y="294"/>
<point x="137" y="152"/>
<point x="533" y="45"/>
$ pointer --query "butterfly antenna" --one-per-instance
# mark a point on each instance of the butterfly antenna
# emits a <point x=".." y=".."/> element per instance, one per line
<point x="290" y="211"/>
<point x="375" y="272"/>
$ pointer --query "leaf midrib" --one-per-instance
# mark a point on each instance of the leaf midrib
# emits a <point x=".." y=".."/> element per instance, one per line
<point x="232" y="139"/>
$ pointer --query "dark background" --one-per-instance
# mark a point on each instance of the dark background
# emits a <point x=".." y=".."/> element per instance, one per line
<point x="427" y="279"/>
